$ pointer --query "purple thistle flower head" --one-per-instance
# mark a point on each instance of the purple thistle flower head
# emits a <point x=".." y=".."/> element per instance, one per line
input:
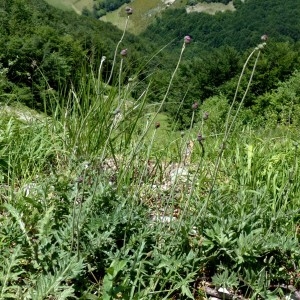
<point x="187" y="39"/>
<point x="123" y="52"/>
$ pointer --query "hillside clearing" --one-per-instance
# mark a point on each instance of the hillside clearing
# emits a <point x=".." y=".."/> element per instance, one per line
<point x="210" y="8"/>
<point x="144" y="13"/>
<point x="76" y="5"/>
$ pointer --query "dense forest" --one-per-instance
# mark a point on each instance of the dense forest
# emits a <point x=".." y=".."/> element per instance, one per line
<point x="220" y="45"/>
<point x="239" y="29"/>
<point x="45" y="49"/>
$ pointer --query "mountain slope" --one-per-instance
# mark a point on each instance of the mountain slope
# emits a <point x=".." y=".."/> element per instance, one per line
<point x="240" y="29"/>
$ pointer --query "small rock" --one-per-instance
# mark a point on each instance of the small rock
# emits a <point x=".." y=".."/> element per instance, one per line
<point x="179" y="173"/>
<point x="223" y="290"/>
<point x="163" y="219"/>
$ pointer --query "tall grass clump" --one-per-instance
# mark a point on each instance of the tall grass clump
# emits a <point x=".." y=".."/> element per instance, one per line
<point x="98" y="202"/>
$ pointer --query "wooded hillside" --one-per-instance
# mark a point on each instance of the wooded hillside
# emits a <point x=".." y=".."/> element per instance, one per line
<point x="44" y="49"/>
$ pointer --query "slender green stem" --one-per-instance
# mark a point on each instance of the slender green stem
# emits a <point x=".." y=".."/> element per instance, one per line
<point x="192" y="120"/>
<point x="99" y="74"/>
<point x="120" y="79"/>
<point x="116" y="52"/>
<point x="170" y="84"/>
<point x="80" y="210"/>
<point x="151" y="121"/>
<point x="229" y="125"/>
<point x="236" y="93"/>
<point x="244" y="96"/>
<point x="165" y="96"/>
<point x="147" y="158"/>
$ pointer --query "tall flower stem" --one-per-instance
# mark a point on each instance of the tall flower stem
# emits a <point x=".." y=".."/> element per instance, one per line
<point x="151" y="121"/>
<point x="229" y="125"/>
<point x="120" y="79"/>
<point x="99" y="74"/>
<point x="116" y="51"/>
<point x="169" y="86"/>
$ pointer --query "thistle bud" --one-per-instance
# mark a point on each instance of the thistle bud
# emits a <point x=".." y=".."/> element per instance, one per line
<point x="157" y="125"/>
<point x="205" y="115"/>
<point x="129" y="10"/>
<point x="264" y="38"/>
<point x="187" y="39"/>
<point x="195" y="106"/>
<point x="200" y="138"/>
<point x="123" y="52"/>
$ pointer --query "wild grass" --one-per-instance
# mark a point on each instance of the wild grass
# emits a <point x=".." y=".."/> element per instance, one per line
<point x="99" y="201"/>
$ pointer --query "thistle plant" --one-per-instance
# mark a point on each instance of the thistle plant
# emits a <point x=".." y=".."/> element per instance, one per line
<point x="187" y="40"/>
<point x="83" y="228"/>
<point x="230" y="122"/>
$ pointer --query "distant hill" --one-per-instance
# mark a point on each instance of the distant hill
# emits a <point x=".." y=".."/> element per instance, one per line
<point x="240" y="29"/>
<point x="145" y="12"/>
<point x="45" y="49"/>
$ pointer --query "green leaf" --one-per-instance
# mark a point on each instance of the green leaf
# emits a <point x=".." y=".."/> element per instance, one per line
<point x="186" y="291"/>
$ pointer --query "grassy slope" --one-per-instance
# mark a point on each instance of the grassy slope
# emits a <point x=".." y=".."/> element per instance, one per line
<point x="57" y="207"/>
<point x="144" y="13"/>
<point x="76" y="5"/>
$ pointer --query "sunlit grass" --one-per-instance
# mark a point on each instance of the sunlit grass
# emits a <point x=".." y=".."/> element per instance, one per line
<point x="76" y="5"/>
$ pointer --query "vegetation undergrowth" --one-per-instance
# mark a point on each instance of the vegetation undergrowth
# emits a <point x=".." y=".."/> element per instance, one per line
<point x="99" y="201"/>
